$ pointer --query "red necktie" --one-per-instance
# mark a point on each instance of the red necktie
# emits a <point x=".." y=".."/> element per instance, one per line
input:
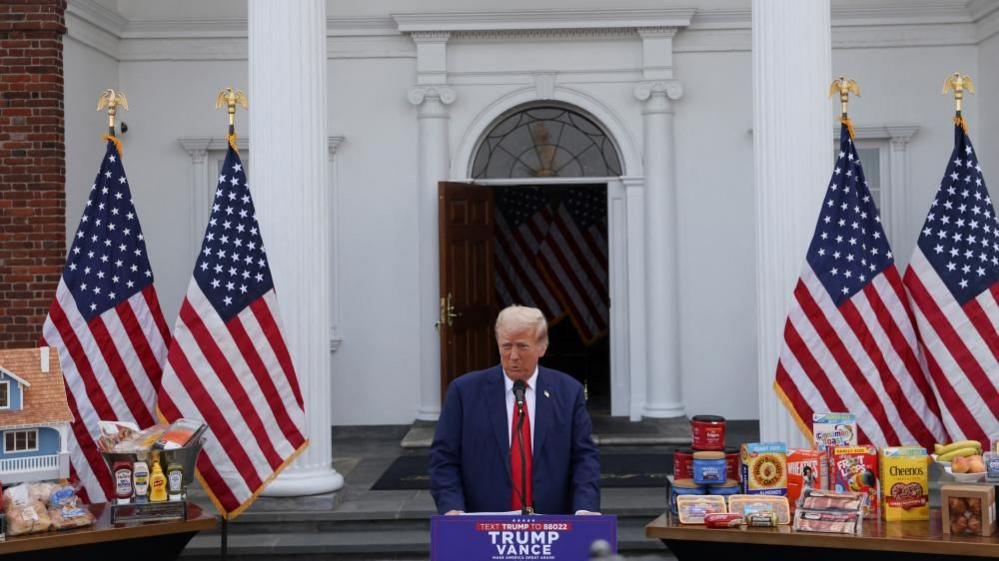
<point x="515" y="467"/>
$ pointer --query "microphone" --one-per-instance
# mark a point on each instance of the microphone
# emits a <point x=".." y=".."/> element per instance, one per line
<point x="519" y="388"/>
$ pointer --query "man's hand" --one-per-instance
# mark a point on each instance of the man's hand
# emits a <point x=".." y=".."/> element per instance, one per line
<point x="586" y="513"/>
<point x="454" y="512"/>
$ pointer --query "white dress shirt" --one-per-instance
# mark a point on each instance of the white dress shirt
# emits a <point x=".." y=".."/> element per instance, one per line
<point x="529" y="398"/>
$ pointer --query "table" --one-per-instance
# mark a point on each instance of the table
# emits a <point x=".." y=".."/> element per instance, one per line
<point x="891" y="540"/>
<point x="146" y="541"/>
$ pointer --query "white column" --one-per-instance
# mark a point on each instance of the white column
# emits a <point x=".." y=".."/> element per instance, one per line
<point x="431" y="95"/>
<point x="431" y="103"/>
<point x="638" y="357"/>
<point x="793" y="159"/>
<point x="287" y="93"/>
<point x="662" y="399"/>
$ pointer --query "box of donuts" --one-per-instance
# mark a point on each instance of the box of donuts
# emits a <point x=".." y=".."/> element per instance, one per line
<point x="968" y="510"/>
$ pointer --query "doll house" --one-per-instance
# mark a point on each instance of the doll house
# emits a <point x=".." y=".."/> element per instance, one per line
<point x="34" y="416"/>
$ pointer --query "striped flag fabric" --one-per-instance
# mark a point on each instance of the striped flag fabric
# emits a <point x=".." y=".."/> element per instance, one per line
<point x="849" y="341"/>
<point x="574" y="254"/>
<point x="228" y="363"/>
<point x="522" y="224"/>
<point x="953" y="284"/>
<point x="107" y="325"/>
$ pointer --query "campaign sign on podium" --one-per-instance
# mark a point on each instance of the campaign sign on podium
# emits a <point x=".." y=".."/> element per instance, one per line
<point x="490" y="537"/>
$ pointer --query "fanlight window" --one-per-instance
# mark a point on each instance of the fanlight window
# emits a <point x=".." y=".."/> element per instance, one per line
<point x="546" y="142"/>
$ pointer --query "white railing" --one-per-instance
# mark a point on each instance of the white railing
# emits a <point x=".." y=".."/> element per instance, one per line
<point x="29" y="463"/>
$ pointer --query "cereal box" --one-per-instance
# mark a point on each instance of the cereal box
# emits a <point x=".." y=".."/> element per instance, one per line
<point x="905" y="482"/>
<point x="855" y="468"/>
<point x="806" y="468"/>
<point x="834" y="429"/>
<point x="764" y="468"/>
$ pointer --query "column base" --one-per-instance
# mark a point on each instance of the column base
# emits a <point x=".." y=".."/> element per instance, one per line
<point x="428" y="414"/>
<point x="297" y="483"/>
<point x="666" y="410"/>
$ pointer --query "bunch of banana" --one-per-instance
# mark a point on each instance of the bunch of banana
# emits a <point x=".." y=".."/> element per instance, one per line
<point x="947" y="452"/>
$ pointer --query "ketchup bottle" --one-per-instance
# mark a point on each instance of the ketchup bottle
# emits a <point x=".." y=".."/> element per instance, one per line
<point x="122" y="470"/>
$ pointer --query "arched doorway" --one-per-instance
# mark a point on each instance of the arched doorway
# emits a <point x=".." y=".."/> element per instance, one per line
<point x="541" y="176"/>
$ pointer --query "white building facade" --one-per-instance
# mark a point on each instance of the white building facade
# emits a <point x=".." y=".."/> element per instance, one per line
<point x="696" y="279"/>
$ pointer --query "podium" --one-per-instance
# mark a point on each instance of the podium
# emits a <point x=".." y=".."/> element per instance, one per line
<point x="501" y="537"/>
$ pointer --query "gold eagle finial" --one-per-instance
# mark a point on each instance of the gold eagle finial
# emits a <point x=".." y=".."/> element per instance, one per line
<point x="959" y="83"/>
<point x="844" y="86"/>
<point x="229" y="97"/>
<point x="112" y="100"/>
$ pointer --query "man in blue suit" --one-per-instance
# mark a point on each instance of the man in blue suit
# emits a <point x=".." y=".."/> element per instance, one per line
<point x="476" y="456"/>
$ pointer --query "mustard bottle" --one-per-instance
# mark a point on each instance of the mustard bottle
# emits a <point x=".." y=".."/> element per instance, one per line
<point x="157" y="482"/>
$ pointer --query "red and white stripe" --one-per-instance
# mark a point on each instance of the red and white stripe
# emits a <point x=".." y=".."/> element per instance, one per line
<point x="961" y="347"/>
<point x="518" y="280"/>
<point x="577" y="261"/>
<point x="861" y="357"/>
<point x="112" y="367"/>
<point x="238" y="377"/>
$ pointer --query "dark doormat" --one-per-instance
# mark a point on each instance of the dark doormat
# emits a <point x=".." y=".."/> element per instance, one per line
<point x="616" y="470"/>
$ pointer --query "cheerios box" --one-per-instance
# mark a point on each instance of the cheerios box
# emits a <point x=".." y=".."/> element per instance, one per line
<point x="905" y="483"/>
<point x="855" y="468"/>
<point x="764" y="468"/>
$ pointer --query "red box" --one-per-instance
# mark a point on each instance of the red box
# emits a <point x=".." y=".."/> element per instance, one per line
<point x="806" y="468"/>
<point x="855" y="468"/>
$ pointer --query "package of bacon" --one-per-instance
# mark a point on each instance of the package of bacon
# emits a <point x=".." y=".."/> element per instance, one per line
<point x="843" y="522"/>
<point x="818" y="499"/>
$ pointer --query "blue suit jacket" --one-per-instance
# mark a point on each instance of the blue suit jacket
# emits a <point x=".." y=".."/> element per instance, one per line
<point x="470" y="455"/>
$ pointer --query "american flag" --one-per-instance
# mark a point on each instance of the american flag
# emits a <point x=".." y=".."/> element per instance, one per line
<point x="952" y="284"/>
<point x="523" y="221"/>
<point x="107" y="325"/>
<point x="228" y="363"/>
<point x="849" y="341"/>
<point x="574" y="254"/>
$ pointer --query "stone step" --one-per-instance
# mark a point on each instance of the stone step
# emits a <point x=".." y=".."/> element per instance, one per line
<point x="341" y="543"/>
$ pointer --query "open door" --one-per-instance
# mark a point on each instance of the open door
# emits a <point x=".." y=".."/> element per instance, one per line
<point x="467" y="290"/>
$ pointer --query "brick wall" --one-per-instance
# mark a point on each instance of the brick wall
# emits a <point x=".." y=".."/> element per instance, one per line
<point x="32" y="165"/>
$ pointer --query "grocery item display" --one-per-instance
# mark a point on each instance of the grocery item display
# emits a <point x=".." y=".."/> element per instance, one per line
<point x="835" y="485"/>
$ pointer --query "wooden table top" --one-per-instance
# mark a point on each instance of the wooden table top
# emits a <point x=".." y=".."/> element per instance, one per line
<point x="104" y="531"/>
<point x="909" y="537"/>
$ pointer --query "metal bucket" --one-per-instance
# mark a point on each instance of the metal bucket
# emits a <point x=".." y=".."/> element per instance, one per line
<point x="187" y="457"/>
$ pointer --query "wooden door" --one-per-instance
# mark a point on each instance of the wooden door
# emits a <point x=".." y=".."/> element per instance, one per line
<point x="467" y="282"/>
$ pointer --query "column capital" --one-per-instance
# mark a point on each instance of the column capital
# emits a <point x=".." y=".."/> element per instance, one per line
<point x="900" y="135"/>
<point x="443" y="93"/>
<point x="672" y="89"/>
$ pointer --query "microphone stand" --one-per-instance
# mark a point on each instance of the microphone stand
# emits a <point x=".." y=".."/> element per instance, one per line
<point x="524" y="508"/>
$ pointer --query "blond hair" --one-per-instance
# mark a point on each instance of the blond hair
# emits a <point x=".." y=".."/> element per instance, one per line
<point x="523" y="317"/>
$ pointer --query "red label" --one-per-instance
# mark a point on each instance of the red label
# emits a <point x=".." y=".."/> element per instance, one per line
<point x="708" y="436"/>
